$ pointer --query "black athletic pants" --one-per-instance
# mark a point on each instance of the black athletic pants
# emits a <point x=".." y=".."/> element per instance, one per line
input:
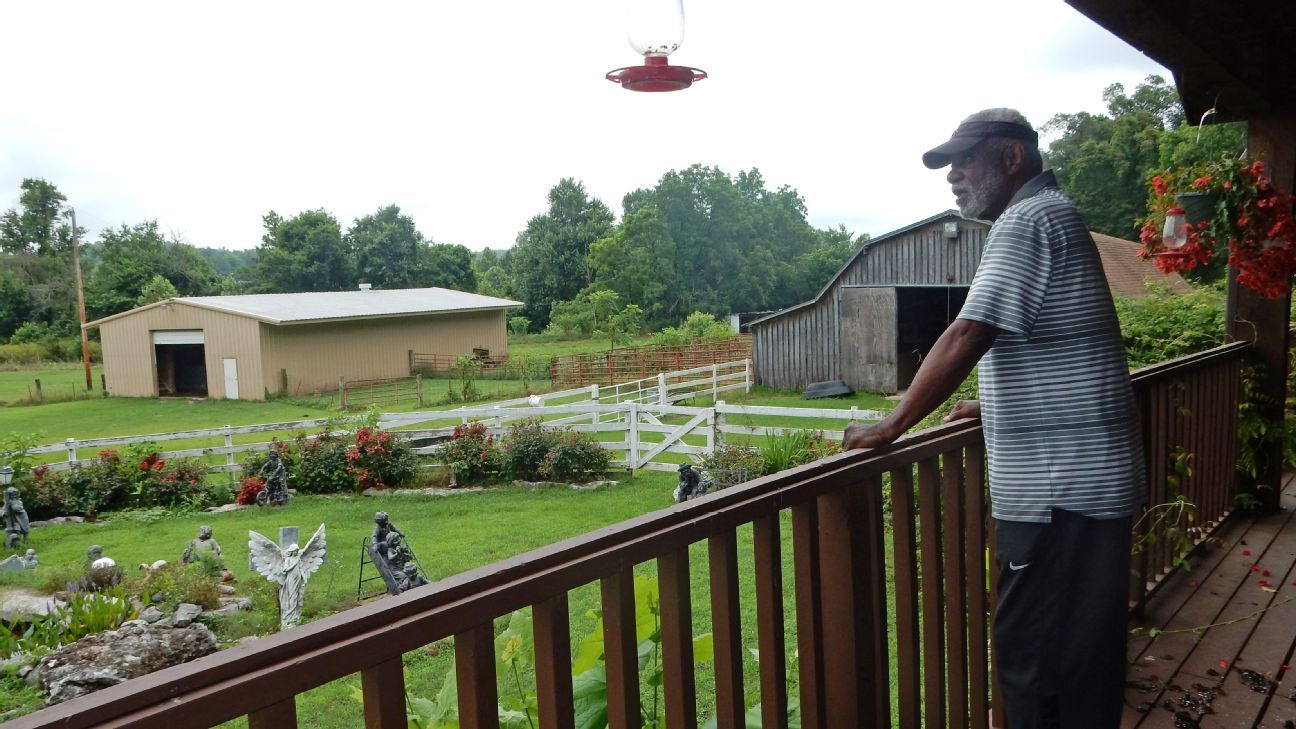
<point x="1059" y="632"/>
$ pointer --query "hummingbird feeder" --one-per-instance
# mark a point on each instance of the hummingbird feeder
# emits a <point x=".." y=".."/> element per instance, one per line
<point x="656" y="31"/>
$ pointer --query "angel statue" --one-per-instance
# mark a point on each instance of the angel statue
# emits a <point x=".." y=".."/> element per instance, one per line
<point x="290" y="567"/>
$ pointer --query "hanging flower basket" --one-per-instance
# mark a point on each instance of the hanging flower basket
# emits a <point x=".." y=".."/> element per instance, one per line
<point x="1198" y="206"/>
<point x="1228" y="203"/>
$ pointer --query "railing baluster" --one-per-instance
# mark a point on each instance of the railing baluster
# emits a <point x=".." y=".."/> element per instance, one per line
<point x="677" y="639"/>
<point x="384" y="695"/>
<point x="955" y="586"/>
<point x="849" y="549"/>
<point x="909" y="665"/>
<point x="282" y="715"/>
<point x="726" y="630"/>
<point x="933" y="604"/>
<point x="805" y="555"/>
<point x="620" y="649"/>
<point x="552" y="628"/>
<point x="772" y="648"/>
<point x="475" y="677"/>
<point x="974" y="512"/>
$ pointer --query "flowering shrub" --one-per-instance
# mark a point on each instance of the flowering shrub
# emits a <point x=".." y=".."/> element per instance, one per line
<point x="472" y="453"/>
<point x="249" y="487"/>
<point x="320" y="465"/>
<point x="378" y="460"/>
<point x="179" y="482"/>
<point x="43" y="493"/>
<point x="574" y="457"/>
<point x="525" y="449"/>
<point x="1251" y="216"/>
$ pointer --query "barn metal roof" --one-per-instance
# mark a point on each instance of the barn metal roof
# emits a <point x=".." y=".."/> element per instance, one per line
<point x="337" y="305"/>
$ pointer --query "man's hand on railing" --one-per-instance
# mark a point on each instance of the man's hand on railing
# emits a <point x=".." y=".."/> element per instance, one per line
<point x="861" y="435"/>
<point x="964" y="409"/>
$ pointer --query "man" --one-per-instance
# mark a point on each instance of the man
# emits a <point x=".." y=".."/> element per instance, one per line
<point x="1060" y="422"/>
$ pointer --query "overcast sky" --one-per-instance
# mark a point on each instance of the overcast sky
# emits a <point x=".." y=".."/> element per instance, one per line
<point x="205" y="116"/>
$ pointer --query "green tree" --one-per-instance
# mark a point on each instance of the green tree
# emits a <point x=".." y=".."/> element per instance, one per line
<point x="388" y="249"/>
<point x="303" y="253"/>
<point x="157" y="289"/>
<point x="448" y="265"/>
<point x="549" y="261"/>
<point x="622" y="326"/>
<point x="130" y="258"/>
<point x="39" y="224"/>
<point x="638" y="263"/>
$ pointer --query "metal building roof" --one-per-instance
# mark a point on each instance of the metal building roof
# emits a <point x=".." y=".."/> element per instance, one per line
<point x="337" y="305"/>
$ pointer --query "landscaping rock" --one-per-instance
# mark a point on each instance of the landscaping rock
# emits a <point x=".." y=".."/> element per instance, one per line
<point x="591" y="485"/>
<point x="57" y="520"/>
<point x="226" y="507"/>
<point x="229" y="606"/>
<point x="185" y="613"/>
<point x="19" y="602"/>
<point x="225" y="589"/>
<point x="419" y="492"/>
<point x="109" y="658"/>
<point x="151" y="614"/>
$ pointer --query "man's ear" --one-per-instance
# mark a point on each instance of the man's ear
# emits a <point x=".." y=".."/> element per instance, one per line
<point x="1014" y="155"/>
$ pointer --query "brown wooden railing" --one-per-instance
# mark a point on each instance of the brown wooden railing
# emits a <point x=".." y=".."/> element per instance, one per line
<point x="933" y="547"/>
<point x="1189" y="407"/>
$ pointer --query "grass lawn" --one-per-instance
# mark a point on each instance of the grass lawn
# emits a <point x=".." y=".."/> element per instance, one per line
<point x="59" y="381"/>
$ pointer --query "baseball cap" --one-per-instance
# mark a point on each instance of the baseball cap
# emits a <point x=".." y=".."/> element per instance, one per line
<point x="971" y="133"/>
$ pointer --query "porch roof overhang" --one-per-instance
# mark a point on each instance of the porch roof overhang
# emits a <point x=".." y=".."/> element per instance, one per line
<point x="1224" y="54"/>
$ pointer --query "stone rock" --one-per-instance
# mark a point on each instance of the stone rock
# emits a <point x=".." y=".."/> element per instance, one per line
<point x="185" y="613"/>
<point x="229" y="606"/>
<point x="151" y="614"/>
<point x="226" y="507"/>
<point x="17" y="602"/>
<point x="225" y="589"/>
<point x="419" y="492"/>
<point x="57" y="520"/>
<point x="111" y="657"/>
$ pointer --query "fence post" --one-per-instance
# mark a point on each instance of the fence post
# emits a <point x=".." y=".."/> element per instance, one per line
<point x="418" y="386"/>
<point x="342" y="391"/>
<point x="662" y="399"/>
<point x="854" y="413"/>
<point x="229" y="454"/>
<point x="632" y="454"/>
<point x="594" y="397"/>
<point x="717" y="425"/>
<point x="714" y="383"/>
<point x="710" y="433"/>
<point x="411" y="361"/>
<point x="747" y="375"/>
<point x="103" y="385"/>
<point x="70" y="443"/>
<point x="40" y="396"/>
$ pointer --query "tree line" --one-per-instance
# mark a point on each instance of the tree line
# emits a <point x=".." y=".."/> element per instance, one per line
<point x="699" y="240"/>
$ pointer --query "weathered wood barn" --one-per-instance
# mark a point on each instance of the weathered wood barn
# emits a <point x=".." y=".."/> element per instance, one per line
<point x="244" y="347"/>
<point x="878" y="316"/>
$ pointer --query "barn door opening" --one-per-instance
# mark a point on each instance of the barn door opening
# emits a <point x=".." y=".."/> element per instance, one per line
<point x="181" y="363"/>
<point x="923" y="313"/>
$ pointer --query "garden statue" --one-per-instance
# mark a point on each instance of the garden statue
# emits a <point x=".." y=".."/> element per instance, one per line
<point x="393" y="557"/>
<point x="96" y="560"/>
<point x="276" y="481"/>
<point x="15" y="518"/>
<point x="29" y="561"/>
<point x="290" y="567"/>
<point x="410" y="577"/>
<point x="204" y="543"/>
<point x="692" y="483"/>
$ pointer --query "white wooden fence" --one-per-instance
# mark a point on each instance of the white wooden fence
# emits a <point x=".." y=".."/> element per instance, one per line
<point x="634" y="409"/>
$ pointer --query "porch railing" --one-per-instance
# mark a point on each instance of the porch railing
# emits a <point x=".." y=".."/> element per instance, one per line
<point x="912" y="518"/>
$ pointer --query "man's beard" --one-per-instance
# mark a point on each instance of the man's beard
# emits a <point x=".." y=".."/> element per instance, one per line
<point x="981" y="197"/>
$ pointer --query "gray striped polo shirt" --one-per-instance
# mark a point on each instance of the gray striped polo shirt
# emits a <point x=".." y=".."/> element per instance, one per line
<point x="1061" y="424"/>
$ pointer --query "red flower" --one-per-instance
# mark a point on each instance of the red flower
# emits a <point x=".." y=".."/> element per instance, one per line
<point x="1246" y="553"/>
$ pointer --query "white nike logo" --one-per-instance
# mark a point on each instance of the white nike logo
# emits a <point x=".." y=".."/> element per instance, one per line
<point x="1017" y="567"/>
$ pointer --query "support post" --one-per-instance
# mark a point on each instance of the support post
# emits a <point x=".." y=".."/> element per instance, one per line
<point x="70" y="444"/>
<point x="229" y="452"/>
<point x="662" y="399"/>
<point x="1262" y="321"/>
<point x="717" y="425"/>
<point x="747" y="375"/>
<point x="342" y="392"/>
<point x="40" y="396"/>
<point x="632" y="455"/>
<point x="715" y="373"/>
<point x="418" y="388"/>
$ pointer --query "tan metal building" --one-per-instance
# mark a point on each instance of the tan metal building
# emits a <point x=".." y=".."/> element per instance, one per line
<point x="245" y="347"/>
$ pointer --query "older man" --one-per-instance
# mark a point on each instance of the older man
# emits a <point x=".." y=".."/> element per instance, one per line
<point x="1060" y="422"/>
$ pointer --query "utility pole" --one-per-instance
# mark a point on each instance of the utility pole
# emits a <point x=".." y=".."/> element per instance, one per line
<point x="85" y="335"/>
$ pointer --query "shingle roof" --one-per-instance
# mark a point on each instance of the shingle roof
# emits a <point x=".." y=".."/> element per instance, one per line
<point x="337" y="305"/>
<point x="1127" y="274"/>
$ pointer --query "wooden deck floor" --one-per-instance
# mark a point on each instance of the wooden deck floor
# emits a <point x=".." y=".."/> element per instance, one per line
<point x="1215" y="646"/>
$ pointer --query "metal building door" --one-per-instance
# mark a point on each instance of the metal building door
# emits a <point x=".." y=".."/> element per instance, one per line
<point x="231" y="378"/>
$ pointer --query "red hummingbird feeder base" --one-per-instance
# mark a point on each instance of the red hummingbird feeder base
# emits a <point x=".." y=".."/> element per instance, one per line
<point x="656" y="75"/>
